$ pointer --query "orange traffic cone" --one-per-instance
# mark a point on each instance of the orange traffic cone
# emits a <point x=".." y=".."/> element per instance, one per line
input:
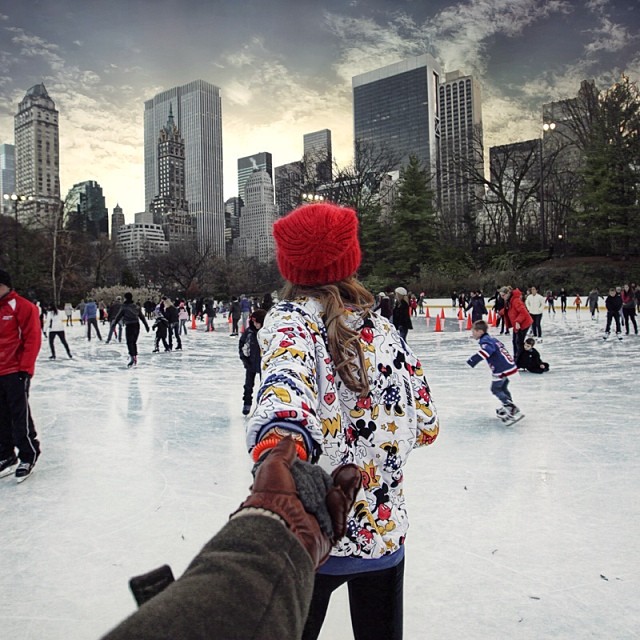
<point x="495" y="319"/>
<point x="460" y="313"/>
<point x="442" y="313"/>
<point x="469" y="323"/>
<point x="427" y="314"/>
<point x="438" y="324"/>
<point x="193" y="321"/>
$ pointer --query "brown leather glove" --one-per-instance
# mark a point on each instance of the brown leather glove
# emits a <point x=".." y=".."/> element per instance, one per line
<point x="274" y="490"/>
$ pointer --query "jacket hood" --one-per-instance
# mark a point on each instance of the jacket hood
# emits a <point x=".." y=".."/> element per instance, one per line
<point x="516" y="293"/>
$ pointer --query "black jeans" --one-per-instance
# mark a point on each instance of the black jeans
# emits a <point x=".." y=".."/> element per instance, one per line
<point x="629" y="316"/>
<point x="518" y="343"/>
<point x="613" y="315"/>
<point x="174" y="330"/>
<point x="536" y="327"/>
<point x="60" y="334"/>
<point x="16" y="424"/>
<point x="132" y="331"/>
<point x="375" y="602"/>
<point x="249" y="381"/>
<point x="92" y="322"/>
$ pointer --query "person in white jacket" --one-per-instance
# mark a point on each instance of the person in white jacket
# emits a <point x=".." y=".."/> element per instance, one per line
<point x="535" y="307"/>
<point x="54" y="327"/>
<point x="340" y="379"/>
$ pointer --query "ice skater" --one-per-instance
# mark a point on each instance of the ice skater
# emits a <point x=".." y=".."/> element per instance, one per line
<point x="629" y="308"/>
<point x="249" y="350"/>
<point x="577" y="303"/>
<point x="613" y="303"/>
<point x="90" y="316"/>
<point x="592" y="301"/>
<point x="335" y="376"/>
<point x="53" y="324"/>
<point x="530" y="359"/>
<point x="502" y="367"/>
<point x="161" y="327"/>
<point x="131" y="315"/>
<point x="20" y="340"/>
<point x="516" y="317"/>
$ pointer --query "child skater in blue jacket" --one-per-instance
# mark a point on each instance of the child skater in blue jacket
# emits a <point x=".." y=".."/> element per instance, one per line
<point x="502" y="366"/>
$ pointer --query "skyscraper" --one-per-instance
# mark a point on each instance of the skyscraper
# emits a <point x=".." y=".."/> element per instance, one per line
<point x="288" y="186"/>
<point x="37" y="157"/>
<point x="85" y="210"/>
<point x="197" y="112"/>
<point x="258" y="215"/>
<point x="117" y="220"/>
<point x="7" y="176"/>
<point x="396" y="109"/>
<point x="169" y="207"/>
<point x="318" y="155"/>
<point x="461" y="161"/>
<point x="249" y="164"/>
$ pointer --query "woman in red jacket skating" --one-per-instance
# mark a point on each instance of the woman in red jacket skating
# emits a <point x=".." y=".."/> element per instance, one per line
<point x="515" y="316"/>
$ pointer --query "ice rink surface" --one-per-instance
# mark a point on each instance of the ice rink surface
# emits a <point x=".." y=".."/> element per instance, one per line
<point x="529" y="531"/>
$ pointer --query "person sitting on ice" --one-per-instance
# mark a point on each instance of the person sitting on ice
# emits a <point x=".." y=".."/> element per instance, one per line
<point x="530" y="359"/>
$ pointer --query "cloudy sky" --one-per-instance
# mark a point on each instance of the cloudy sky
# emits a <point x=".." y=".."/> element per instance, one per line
<point x="285" y="67"/>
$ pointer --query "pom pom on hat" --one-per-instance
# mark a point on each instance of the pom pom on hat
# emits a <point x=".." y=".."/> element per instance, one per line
<point x="317" y="244"/>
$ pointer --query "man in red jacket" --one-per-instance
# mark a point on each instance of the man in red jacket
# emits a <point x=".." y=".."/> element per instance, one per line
<point x="20" y="338"/>
<point x="516" y="317"/>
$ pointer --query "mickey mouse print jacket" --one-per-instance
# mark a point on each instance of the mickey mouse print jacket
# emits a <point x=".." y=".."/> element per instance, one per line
<point x="302" y="392"/>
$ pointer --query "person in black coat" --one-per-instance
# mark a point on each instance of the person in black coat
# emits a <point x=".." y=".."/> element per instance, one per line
<point x="476" y="304"/>
<point x="530" y="358"/>
<point x="402" y="313"/>
<point x="131" y="315"/>
<point x="613" y="303"/>
<point x="249" y="351"/>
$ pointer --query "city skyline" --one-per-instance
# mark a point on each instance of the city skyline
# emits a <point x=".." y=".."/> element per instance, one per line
<point x="285" y="69"/>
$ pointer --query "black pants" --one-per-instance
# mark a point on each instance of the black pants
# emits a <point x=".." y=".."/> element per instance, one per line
<point x="131" y="332"/>
<point x="249" y="381"/>
<point x="92" y="322"/>
<point x="536" y="327"/>
<point x="375" y="602"/>
<point x="234" y="325"/>
<point x="518" y="342"/>
<point x="629" y="315"/>
<point x="113" y="328"/>
<point x="613" y="315"/>
<point x="60" y="334"/>
<point x="16" y="424"/>
<point x="174" y="330"/>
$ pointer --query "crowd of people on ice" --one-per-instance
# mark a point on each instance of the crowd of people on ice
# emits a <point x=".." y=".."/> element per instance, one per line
<point x="336" y="377"/>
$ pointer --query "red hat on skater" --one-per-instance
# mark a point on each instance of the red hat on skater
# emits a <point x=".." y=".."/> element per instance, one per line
<point x="317" y="244"/>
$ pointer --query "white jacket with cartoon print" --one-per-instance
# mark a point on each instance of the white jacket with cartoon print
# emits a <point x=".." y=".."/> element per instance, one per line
<point x="302" y="392"/>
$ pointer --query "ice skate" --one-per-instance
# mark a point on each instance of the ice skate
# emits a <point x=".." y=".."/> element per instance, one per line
<point x="8" y="466"/>
<point x="24" y="470"/>
<point x="606" y="336"/>
<point x="513" y="415"/>
<point x="619" y="336"/>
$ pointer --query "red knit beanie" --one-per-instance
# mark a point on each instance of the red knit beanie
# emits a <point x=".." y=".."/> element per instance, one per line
<point x="317" y="244"/>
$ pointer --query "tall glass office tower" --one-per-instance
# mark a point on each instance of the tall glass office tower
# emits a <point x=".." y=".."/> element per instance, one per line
<point x="197" y="111"/>
<point x="396" y="108"/>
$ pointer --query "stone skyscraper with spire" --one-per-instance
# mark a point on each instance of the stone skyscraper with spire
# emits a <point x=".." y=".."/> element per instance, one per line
<point x="37" y="158"/>
<point x="170" y="208"/>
